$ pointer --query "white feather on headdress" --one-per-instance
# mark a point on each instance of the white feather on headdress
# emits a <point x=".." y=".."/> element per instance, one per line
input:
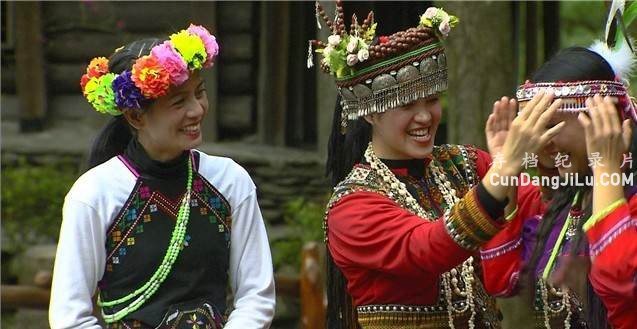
<point x="621" y="59"/>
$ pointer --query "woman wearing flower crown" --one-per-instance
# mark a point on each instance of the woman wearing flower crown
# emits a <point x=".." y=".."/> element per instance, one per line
<point x="156" y="229"/>
<point x="545" y="243"/>
<point x="406" y="216"/>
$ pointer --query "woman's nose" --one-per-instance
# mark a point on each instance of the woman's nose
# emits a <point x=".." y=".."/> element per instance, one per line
<point x="195" y="108"/>
<point x="423" y="115"/>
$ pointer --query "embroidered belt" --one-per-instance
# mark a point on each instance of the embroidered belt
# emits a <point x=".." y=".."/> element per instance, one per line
<point x="418" y="317"/>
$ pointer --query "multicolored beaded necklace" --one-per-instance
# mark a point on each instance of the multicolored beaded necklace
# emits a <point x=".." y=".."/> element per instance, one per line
<point x="397" y="191"/>
<point x="147" y="290"/>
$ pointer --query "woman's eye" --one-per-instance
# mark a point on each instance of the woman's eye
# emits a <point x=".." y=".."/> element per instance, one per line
<point x="178" y="102"/>
<point x="200" y="92"/>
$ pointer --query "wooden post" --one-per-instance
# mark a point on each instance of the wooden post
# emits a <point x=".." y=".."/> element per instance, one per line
<point x="515" y="40"/>
<point x="30" y="78"/>
<point x="551" y="18"/>
<point x="205" y="13"/>
<point x="325" y="91"/>
<point x="478" y="79"/>
<point x="20" y="296"/>
<point x="287" y="285"/>
<point x="313" y="297"/>
<point x="531" y="38"/>
<point x="273" y="72"/>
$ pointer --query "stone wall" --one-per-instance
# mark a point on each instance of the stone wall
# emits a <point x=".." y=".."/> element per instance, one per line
<point x="280" y="174"/>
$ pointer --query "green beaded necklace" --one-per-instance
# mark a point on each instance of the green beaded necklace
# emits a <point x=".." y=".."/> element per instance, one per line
<point x="144" y="292"/>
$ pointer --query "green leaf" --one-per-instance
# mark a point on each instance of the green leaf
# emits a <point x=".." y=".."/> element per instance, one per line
<point x="630" y="13"/>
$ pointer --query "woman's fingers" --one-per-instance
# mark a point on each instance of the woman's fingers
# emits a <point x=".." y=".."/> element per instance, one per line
<point x="545" y="117"/>
<point x="502" y="113"/>
<point x="602" y="115"/>
<point x="528" y="109"/>
<point x="586" y="122"/>
<point x="541" y="106"/>
<point x="595" y="124"/>
<point x="613" y="117"/>
<point x="550" y="133"/>
<point x="513" y="111"/>
<point x="627" y="133"/>
<point x="488" y="128"/>
<point x="497" y="113"/>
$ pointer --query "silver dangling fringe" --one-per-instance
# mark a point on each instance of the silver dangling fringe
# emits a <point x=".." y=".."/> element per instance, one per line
<point x="310" y="55"/>
<point x="318" y="21"/>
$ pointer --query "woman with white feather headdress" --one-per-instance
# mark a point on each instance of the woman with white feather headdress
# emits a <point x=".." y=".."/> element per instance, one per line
<point x="587" y="232"/>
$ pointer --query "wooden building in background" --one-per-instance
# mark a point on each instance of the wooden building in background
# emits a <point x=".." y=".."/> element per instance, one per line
<point x="260" y="90"/>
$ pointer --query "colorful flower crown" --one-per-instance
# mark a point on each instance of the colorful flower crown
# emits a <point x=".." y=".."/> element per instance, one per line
<point x="168" y="64"/>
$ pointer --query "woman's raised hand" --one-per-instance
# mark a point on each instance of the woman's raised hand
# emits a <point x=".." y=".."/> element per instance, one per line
<point x="528" y="132"/>
<point x="499" y="123"/>
<point x="607" y="139"/>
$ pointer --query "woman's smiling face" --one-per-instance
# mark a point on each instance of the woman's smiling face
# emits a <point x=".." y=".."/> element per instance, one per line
<point x="173" y="122"/>
<point x="406" y="132"/>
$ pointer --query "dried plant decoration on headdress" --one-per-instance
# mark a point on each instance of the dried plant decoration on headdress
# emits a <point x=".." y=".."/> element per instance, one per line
<point x="376" y="73"/>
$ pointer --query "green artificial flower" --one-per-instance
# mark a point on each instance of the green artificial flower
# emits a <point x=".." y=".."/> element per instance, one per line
<point x="370" y="33"/>
<point x="99" y="92"/>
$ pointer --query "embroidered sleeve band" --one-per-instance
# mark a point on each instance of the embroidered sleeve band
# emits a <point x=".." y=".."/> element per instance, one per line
<point x="469" y="224"/>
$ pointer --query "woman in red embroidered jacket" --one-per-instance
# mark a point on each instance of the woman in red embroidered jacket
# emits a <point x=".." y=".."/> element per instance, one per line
<point x="612" y="230"/>
<point x="537" y="236"/>
<point x="405" y="215"/>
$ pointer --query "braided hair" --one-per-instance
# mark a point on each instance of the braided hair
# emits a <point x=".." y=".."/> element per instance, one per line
<point x="344" y="151"/>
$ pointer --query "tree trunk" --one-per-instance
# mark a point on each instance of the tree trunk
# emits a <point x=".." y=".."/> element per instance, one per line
<point x="480" y="59"/>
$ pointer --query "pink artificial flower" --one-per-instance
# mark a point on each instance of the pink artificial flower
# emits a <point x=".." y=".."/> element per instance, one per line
<point x="209" y="41"/>
<point x="445" y="26"/>
<point x="431" y="12"/>
<point x="172" y="62"/>
<point x="352" y="59"/>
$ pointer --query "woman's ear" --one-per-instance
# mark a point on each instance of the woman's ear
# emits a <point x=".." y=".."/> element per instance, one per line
<point x="134" y="117"/>
<point x="369" y="119"/>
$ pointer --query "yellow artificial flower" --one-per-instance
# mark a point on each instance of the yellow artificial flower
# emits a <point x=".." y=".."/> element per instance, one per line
<point x="191" y="48"/>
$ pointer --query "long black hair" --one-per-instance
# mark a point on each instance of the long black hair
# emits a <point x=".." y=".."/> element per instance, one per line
<point x="572" y="64"/>
<point x="344" y="150"/>
<point x="115" y="136"/>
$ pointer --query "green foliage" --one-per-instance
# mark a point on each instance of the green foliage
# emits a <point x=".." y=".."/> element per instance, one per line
<point x="32" y="198"/>
<point x="582" y="22"/>
<point x="305" y="220"/>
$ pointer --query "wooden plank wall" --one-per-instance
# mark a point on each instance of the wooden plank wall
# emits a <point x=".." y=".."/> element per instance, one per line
<point x="73" y="33"/>
<point x="263" y="49"/>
